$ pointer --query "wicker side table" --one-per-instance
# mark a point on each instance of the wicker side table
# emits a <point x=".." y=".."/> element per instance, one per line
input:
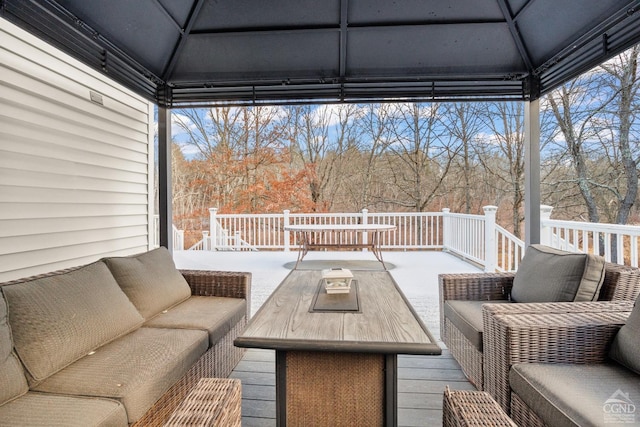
<point x="212" y="402"/>
<point x="462" y="408"/>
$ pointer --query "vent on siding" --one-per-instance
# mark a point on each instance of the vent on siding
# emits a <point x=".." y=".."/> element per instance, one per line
<point x="96" y="97"/>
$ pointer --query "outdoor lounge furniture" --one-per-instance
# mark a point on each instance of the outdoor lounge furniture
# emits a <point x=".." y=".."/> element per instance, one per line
<point x="463" y="408"/>
<point x="117" y="342"/>
<point x="573" y="368"/>
<point x="545" y="275"/>
<point x="212" y="402"/>
<point x="336" y="354"/>
<point x="516" y="333"/>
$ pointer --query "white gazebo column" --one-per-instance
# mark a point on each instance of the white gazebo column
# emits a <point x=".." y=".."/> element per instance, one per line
<point x="164" y="178"/>
<point x="532" y="172"/>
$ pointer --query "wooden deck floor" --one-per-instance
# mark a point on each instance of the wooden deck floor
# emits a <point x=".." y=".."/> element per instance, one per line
<point x="421" y="382"/>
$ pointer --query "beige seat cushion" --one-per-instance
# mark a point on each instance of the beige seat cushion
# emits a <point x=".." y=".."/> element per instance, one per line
<point x="551" y="275"/>
<point x="52" y="410"/>
<point x="150" y="280"/>
<point x="572" y="394"/>
<point x="58" y="319"/>
<point x="135" y="369"/>
<point x="14" y="383"/>
<point x="466" y="316"/>
<point x="215" y="315"/>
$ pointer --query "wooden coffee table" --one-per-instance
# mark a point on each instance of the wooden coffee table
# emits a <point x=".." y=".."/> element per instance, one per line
<point x="336" y="355"/>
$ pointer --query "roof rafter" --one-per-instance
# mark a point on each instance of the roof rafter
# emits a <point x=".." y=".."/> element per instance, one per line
<point x="517" y="38"/>
<point x="175" y="54"/>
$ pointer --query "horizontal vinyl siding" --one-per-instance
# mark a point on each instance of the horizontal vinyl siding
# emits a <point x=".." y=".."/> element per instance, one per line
<point x="74" y="175"/>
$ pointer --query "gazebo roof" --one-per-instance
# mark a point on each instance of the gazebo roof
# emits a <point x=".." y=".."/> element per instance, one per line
<point x="207" y="52"/>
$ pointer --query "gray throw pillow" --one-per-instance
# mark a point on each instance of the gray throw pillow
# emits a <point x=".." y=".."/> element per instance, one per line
<point x="150" y="280"/>
<point x="625" y="348"/>
<point x="551" y="275"/>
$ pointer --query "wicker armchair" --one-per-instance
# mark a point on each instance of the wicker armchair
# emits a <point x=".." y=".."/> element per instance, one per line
<point x="545" y="332"/>
<point x="577" y="336"/>
<point x="621" y="283"/>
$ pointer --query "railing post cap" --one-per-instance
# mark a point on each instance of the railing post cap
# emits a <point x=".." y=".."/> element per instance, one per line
<point x="286" y="211"/>
<point x="546" y="208"/>
<point x="446" y="210"/>
<point x="490" y="208"/>
<point x="213" y="209"/>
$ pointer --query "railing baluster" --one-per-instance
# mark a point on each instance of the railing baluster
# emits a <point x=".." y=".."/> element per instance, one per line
<point x="425" y="230"/>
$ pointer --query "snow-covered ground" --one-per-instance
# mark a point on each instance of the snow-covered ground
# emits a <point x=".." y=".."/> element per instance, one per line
<point x="415" y="272"/>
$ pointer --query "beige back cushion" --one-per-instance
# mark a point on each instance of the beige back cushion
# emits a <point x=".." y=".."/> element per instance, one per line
<point x="58" y="319"/>
<point x="150" y="280"/>
<point x="551" y="275"/>
<point x="12" y="379"/>
<point x="625" y="348"/>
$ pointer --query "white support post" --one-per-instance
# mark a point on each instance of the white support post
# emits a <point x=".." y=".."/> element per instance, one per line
<point x="213" y="227"/>
<point x="490" y="246"/>
<point x="287" y="233"/>
<point x="179" y="245"/>
<point x="546" y="232"/>
<point x="205" y="241"/>
<point x="238" y="241"/>
<point x="446" y="229"/>
<point x="365" y="236"/>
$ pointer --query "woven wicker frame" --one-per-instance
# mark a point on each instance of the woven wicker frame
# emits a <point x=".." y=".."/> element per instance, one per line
<point x="329" y="388"/>
<point x="462" y="408"/>
<point x="523" y="415"/>
<point x="582" y="334"/>
<point x="467" y="355"/>
<point x="212" y="402"/>
<point x="621" y="283"/>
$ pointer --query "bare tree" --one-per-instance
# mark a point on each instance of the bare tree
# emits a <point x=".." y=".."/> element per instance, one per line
<point x="375" y="127"/>
<point x="505" y="121"/>
<point x="623" y="80"/>
<point x="319" y="136"/>
<point x="596" y="118"/>
<point x="421" y="154"/>
<point x="463" y="122"/>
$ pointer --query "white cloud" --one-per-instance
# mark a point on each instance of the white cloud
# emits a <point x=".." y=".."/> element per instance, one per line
<point x="178" y="123"/>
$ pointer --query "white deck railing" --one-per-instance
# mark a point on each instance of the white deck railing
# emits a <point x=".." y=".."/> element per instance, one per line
<point x="476" y="238"/>
<point x="177" y="235"/>
<point x="617" y="243"/>
<point x="267" y="231"/>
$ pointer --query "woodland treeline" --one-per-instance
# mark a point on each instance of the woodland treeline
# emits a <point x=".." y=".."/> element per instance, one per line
<point x="416" y="156"/>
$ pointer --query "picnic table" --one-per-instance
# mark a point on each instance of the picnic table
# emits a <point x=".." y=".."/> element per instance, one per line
<point x="311" y="237"/>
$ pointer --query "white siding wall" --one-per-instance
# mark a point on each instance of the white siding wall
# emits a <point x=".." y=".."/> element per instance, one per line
<point x="76" y="177"/>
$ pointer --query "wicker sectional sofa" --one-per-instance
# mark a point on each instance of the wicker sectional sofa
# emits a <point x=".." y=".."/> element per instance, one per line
<point x="117" y="342"/>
